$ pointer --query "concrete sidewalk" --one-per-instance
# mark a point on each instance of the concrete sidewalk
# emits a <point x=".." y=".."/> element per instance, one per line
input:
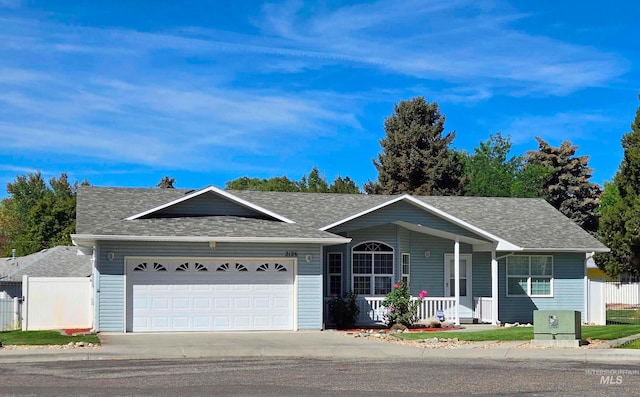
<point x="311" y="344"/>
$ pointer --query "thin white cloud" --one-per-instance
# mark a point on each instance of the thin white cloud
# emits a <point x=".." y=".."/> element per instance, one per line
<point x="456" y="41"/>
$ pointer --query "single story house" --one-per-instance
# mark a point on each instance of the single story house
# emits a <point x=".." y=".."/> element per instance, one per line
<point x="217" y="260"/>
<point x="59" y="261"/>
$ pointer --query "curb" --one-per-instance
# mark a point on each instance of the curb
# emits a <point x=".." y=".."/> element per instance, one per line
<point x="619" y="342"/>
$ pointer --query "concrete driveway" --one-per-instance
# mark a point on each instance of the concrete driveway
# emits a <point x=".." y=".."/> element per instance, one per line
<point x="250" y="344"/>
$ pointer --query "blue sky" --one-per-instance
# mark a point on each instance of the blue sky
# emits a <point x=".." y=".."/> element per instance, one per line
<point x="124" y="92"/>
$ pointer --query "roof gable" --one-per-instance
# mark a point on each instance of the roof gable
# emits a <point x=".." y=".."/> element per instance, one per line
<point x="406" y="208"/>
<point x="232" y="206"/>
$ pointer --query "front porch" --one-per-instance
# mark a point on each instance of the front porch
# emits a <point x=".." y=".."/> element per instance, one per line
<point x="372" y="312"/>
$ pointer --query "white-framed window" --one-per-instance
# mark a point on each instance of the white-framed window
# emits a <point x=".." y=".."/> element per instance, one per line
<point x="334" y="273"/>
<point x="372" y="269"/>
<point x="530" y="275"/>
<point x="406" y="268"/>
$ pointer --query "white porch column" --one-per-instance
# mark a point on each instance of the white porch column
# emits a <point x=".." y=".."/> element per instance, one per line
<point x="456" y="266"/>
<point x="494" y="288"/>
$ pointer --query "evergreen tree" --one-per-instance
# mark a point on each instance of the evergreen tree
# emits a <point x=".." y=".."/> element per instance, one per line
<point x="620" y="220"/>
<point x="312" y="183"/>
<point x="567" y="186"/>
<point x="344" y="185"/>
<point x="166" y="183"/>
<point x="416" y="156"/>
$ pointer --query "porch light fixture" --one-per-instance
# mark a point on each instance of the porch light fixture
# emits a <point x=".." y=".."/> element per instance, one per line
<point x="212" y="245"/>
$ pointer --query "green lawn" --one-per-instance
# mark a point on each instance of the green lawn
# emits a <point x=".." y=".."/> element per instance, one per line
<point x="43" y="338"/>
<point x="605" y="332"/>
<point x="624" y="316"/>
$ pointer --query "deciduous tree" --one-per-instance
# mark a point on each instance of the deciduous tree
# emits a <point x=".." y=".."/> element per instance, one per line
<point x="620" y="212"/>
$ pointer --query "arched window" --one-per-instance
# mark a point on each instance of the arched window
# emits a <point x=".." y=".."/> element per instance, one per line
<point x="372" y="267"/>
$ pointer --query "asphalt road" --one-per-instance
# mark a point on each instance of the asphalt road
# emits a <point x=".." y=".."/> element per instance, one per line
<point x="316" y="377"/>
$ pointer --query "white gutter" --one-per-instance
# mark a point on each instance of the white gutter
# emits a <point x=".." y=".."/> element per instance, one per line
<point x="576" y="250"/>
<point x="89" y="238"/>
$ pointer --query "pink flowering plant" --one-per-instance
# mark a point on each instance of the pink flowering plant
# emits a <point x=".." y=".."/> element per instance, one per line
<point x="401" y="309"/>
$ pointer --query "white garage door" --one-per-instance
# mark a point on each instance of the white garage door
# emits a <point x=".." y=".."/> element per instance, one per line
<point x="206" y="295"/>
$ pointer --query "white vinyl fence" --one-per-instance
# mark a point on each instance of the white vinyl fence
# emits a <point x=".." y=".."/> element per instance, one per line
<point x="9" y="313"/>
<point x="596" y="303"/>
<point x="613" y="302"/>
<point x="57" y="303"/>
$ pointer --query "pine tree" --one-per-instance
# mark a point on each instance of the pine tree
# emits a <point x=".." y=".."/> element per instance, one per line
<point x="166" y="183"/>
<point x="416" y="156"/>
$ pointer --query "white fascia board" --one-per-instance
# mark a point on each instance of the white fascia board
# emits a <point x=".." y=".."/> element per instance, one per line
<point x="367" y="211"/>
<point x="79" y="239"/>
<point x="465" y="225"/>
<point x="219" y="192"/>
<point x="576" y="250"/>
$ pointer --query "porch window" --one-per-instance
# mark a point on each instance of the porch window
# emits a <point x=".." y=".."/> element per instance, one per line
<point x="334" y="273"/>
<point x="406" y="267"/>
<point x="530" y="275"/>
<point x="372" y="267"/>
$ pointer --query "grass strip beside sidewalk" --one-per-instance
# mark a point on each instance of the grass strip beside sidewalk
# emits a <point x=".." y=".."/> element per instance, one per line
<point x="604" y="332"/>
<point x="38" y="338"/>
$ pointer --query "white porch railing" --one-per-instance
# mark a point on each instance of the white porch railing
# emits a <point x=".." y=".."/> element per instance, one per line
<point x="372" y="311"/>
<point x="482" y="309"/>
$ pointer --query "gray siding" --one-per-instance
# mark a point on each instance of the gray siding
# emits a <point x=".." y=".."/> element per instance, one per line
<point x="111" y="298"/>
<point x="481" y="272"/>
<point x="208" y="204"/>
<point x="426" y="273"/>
<point x="402" y="211"/>
<point x="568" y="290"/>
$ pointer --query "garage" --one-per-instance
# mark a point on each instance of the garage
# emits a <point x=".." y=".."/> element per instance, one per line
<point x="194" y="294"/>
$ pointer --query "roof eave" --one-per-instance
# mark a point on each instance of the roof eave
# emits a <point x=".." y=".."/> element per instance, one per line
<point x="568" y="250"/>
<point x="90" y="239"/>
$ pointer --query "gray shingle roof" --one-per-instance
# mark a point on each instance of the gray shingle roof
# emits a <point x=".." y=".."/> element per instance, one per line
<point x="60" y="261"/>
<point x="211" y="226"/>
<point x="528" y="223"/>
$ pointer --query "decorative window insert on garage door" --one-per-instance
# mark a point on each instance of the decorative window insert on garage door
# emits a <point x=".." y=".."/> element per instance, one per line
<point x="204" y="294"/>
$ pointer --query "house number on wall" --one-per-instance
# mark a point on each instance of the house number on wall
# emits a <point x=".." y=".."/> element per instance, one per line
<point x="291" y="254"/>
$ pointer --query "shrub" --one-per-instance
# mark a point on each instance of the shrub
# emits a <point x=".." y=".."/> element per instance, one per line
<point x="400" y="308"/>
<point x="343" y="310"/>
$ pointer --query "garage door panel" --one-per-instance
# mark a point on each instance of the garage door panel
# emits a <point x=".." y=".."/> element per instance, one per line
<point x="208" y="301"/>
<point x="202" y="303"/>
<point x="180" y="303"/>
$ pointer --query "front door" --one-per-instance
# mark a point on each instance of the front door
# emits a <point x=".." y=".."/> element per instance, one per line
<point x="466" y="299"/>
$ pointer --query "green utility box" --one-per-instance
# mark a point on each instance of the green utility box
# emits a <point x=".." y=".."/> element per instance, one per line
<point x="557" y="325"/>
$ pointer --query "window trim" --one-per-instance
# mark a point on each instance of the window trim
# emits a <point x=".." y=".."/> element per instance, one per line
<point x="528" y="293"/>
<point x="329" y="274"/>
<point x="372" y="275"/>
<point x="402" y="264"/>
